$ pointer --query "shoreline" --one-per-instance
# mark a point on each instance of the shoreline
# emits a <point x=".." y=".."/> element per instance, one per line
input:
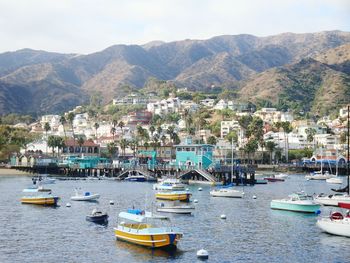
<point x="7" y="171"/>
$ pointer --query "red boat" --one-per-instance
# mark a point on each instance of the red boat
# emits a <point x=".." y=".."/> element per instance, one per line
<point x="344" y="205"/>
<point x="273" y="179"/>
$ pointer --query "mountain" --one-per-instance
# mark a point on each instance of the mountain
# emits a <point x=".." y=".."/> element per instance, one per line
<point x="45" y="82"/>
<point x="307" y="85"/>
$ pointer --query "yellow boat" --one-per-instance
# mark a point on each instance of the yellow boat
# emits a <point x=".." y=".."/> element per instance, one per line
<point x="135" y="228"/>
<point x="40" y="200"/>
<point x="173" y="196"/>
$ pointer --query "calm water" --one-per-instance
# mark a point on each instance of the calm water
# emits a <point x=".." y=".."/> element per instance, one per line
<point x="252" y="231"/>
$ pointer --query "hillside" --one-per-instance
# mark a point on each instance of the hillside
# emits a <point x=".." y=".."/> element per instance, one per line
<point x="41" y="78"/>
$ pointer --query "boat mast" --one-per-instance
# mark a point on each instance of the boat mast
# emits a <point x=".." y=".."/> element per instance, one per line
<point x="231" y="159"/>
<point x="347" y="169"/>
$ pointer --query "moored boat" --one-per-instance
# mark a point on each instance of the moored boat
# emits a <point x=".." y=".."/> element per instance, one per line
<point x="98" y="217"/>
<point x="176" y="209"/>
<point x="335" y="224"/>
<point x="87" y="196"/>
<point x="40" y="200"/>
<point x="136" y="178"/>
<point x="319" y="175"/>
<point x="335" y="180"/>
<point x="227" y="192"/>
<point x="298" y="202"/>
<point x="35" y="189"/>
<point x="137" y="227"/>
<point x="260" y="181"/>
<point x="43" y="179"/>
<point x="281" y="176"/>
<point x="344" y="205"/>
<point x="333" y="199"/>
<point x="173" y="196"/>
<point x="169" y="184"/>
<point x="273" y="179"/>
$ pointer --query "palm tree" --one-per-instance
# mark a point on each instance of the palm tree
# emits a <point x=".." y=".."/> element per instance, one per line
<point x="163" y="139"/>
<point x="111" y="148"/>
<point x="121" y="125"/>
<point x="46" y="128"/>
<point x="270" y="146"/>
<point x="287" y="128"/>
<point x="80" y="142"/>
<point x="152" y="129"/>
<point x="60" y="144"/>
<point x="63" y="122"/>
<point x="70" y="118"/>
<point x="123" y="144"/>
<point x="52" y="142"/>
<point x="113" y="131"/>
<point x="310" y="135"/>
<point x="96" y="126"/>
<point x="159" y="130"/>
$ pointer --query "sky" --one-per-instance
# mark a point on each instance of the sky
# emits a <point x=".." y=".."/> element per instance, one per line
<point x="86" y="26"/>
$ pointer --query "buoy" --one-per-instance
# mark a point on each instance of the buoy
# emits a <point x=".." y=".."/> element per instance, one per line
<point x="68" y="205"/>
<point x="111" y="202"/>
<point x="200" y="189"/>
<point x="223" y="216"/>
<point x="317" y="212"/>
<point x="195" y="201"/>
<point x="187" y="189"/>
<point x="254" y="196"/>
<point x="202" y="254"/>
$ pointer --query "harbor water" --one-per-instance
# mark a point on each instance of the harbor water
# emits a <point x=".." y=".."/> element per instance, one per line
<point x="251" y="232"/>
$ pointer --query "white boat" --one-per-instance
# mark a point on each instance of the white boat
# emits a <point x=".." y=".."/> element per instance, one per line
<point x="136" y="178"/>
<point x="332" y="200"/>
<point x="336" y="224"/>
<point x="298" y="202"/>
<point x="319" y="175"/>
<point x="176" y="209"/>
<point x="35" y="189"/>
<point x="87" y="196"/>
<point x="281" y="176"/>
<point x="227" y="192"/>
<point x="43" y="179"/>
<point x="169" y="184"/>
<point x="335" y="180"/>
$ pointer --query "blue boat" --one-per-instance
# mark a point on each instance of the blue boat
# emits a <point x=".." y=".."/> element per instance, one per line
<point x="136" y="178"/>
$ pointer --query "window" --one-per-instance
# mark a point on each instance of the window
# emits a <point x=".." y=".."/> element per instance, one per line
<point x="192" y="149"/>
<point x="187" y="149"/>
<point x="179" y="149"/>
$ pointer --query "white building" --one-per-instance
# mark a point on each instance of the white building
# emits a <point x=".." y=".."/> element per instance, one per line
<point x="221" y="105"/>
<point x="228" y="126"/>
<point x="208" y="102"/>
<point x="272" y="115"/>
<point x="343" y="112"/>
<point x="189" y="105"/>
<point x="329" y="141"/>
<point x="132" y="99"/>
<point x="52" y="120"/>
<point x="295" y="140"/>
<point x="164" y="107"/>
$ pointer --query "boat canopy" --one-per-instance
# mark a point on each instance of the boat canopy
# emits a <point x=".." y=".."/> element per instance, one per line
<point x="132" y="217"/>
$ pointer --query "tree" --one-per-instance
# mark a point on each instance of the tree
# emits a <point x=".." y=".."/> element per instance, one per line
<point x="310" y="135"/>
<point x="63" y="122"/>
<point x="96" y="126"/>
<point x="123" y="144"/>
<point x="46" y="128"/>
<point x="163" y="139"/>
<point x="152" y="129"/>
<point x="232" y="136"/>
<point x="251" y="147"/>
<point x="70" y="118"/>
<point x="270" y="146"/>
<point x="212" y="140"/>
<point x="287" y="128"/>
<point x="121" y="125"/>
<point x="343" y="137"/>
<point x="113" y="131"/>
<point x="80" y="142"/>
<point x="112" y="150"/>
<point x="52" y="142"/>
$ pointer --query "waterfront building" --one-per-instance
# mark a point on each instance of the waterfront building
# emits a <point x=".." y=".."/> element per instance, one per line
<point x="189" y="155"/>
<point x="88" y="148"/>
<point x="162" y="153"/>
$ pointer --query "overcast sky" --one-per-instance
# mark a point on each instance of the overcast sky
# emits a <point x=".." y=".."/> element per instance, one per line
<point x="85" y="26"/>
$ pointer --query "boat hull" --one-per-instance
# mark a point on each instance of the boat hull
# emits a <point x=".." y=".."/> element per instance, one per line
<point x="176" y="210"/>
<point x="275" y="204"/>
<point x="98" y="219"/>
<point x="85" y="198"/>
<point x="344" y="205"/>
<point x="236" y="194"/>
<point x="40" y="200"/>
<point x="173" y="196"/>
<point x="334" y="180"/>
<point x="149" y="240"/>
<point x="334" y="227"/>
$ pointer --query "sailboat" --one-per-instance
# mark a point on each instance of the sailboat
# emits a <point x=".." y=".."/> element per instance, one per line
<point x="336" y="179"/>
<point x="319" y="175"/>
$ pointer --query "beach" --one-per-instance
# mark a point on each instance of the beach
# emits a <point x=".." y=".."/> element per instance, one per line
<point x="7" y="171"/>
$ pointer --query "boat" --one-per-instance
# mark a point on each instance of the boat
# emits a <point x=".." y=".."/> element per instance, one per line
<point x="169" y="184"/>
<point x="319" y="175"/>
<point x="281" y="176"/>
<point x="260" y="181"/>
<point x="227" y="192"/>
<point x="333" y="199"/>
<point x="273" y="179"/>
<point x="43" y="179"/>
<point x="344" y="205"/>
<point x="44" y="199"/>
<point x="87" y="196"/>
<point x="98" y="217"/>
<point x="173" y="196"/>
<point x="136" y="178"/>
<point x="335" y="180"/>
<point x="297" y="202"/>
<point x="35" y="189"/>
<point x="335" y="224"/>
<point x="138" y="227"/>
<point x="176" y="209"/>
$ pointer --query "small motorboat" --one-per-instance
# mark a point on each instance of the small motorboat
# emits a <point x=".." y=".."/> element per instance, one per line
<point x="174" y="196"/>
<point x="281" y="176"/>
<point x="344" y="205"/>
<point x="169" y="184"/>
<point x="35" y="189"/>
<point x="87" y="196"/>
<point x="98" y="217"/>
<point x="136" y="178"/>
<point x="43" y="179"/>
<point x="44" y="199"/>
<point x="176" y="209"/>
<point x="333" y="199"/>
<point x="227" y="192"/>
<point x="335" y="180"/>
<point x="298" y="202"/>
<point x="273" y="179"/>
<point x="260" y="181"/>
<point x="136" y="226"/>
<point x="335" y="224"/>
